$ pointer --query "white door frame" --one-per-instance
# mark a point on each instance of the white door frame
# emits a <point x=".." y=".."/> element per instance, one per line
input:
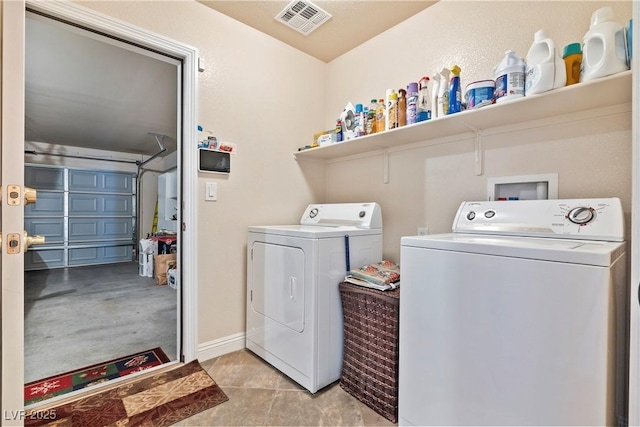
<point x="12" y="161"/>
<point x="634" y="326"/>
<point x="13" y="35"/>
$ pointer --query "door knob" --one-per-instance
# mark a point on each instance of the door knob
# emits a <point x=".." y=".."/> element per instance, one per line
<point x="29" y="195"/>
<point x="32" y="240"/>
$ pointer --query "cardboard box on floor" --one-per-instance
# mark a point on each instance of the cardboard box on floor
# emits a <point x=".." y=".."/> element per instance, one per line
<point x="162" y="264"/>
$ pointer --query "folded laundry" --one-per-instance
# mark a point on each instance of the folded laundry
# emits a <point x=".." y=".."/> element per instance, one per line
<point x="382" y="275"/>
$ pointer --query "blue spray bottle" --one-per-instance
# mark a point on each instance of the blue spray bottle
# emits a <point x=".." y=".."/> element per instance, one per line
<point x="455" y="92"/>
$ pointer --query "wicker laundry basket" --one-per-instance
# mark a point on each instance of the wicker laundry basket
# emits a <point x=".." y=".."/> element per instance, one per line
<point x="370" y="357"/>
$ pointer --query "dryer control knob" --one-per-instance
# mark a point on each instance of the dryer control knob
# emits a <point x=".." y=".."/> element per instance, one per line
<point x="581" y="215"/>
<point x="471" y="216"/>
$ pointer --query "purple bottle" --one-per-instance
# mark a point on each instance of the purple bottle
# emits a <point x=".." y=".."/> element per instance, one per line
<point x="412" y="102"/>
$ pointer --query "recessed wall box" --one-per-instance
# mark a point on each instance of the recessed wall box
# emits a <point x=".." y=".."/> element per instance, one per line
<point x="214" y="161"/>
<point x="523" y="187"/>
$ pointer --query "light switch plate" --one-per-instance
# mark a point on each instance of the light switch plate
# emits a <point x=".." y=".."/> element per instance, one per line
<point x="211" y="191"/>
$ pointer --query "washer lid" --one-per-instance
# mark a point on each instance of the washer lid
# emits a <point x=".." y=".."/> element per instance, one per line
<point x="595" y="253"/>
<point x="313" y="231"/>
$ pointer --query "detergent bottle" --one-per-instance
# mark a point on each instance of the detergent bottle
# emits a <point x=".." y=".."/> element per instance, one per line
<point x="443" y="93"/>
<point x="509" y="76"/>
<point x="402" y="107"/>
<point x="545" y="68"/>
<point x="387" y="107"/>
<point x="392" y="111"/>
<point x="380" y="116"/>
<point x="360" y="121"/>
<point x="371" y="117"/>
<point x="424" y="101"/>
<point x="572" y="56"/>
<point x="435" y="89"/>
<point x="455" y="92"/>
<point x="604" y="50"/>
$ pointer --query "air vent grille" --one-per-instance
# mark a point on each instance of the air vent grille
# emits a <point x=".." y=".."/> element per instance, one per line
<point x="303" y="16"/>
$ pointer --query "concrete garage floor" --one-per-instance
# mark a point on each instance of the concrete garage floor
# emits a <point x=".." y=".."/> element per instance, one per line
<point x="76" y="317"/>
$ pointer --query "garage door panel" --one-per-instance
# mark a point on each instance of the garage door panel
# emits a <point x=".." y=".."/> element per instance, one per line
<point x="87" y="216"/>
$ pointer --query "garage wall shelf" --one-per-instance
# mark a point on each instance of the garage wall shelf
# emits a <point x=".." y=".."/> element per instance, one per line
<point x="596" y="98"/>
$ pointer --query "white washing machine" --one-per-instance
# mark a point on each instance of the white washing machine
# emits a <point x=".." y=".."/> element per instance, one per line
<point x="294" y="313"/>
<point x="517" y="318"/>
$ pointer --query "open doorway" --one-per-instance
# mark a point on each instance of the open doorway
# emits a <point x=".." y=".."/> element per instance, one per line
<point x="102" y="124"/>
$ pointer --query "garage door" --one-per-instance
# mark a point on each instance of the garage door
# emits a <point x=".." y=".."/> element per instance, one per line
<point x="86" y="216"/>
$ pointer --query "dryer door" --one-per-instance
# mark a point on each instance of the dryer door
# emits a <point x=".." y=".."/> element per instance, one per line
<point x="278" y="284"/>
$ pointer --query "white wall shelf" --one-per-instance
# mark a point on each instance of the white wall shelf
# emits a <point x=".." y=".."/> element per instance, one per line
<point x="593" y="95"/>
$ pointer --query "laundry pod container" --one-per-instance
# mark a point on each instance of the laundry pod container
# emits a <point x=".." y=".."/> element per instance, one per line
<point x="479" y="94"/>
<point x="604" y="48"/>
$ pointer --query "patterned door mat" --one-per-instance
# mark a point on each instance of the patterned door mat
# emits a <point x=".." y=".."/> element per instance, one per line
<point x="157" y="400"/>
<point x="57" y="385"/>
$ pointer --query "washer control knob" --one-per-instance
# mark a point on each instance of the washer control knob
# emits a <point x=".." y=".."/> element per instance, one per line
<point x="362" y="214"/>
<point x="581" y="215"/>
<point x="471" y="216"/>
<point x="313" y="212"/>
<point x="489" y="214"/>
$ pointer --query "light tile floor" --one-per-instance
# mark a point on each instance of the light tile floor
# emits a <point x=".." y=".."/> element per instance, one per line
<point x="260" y="395"/>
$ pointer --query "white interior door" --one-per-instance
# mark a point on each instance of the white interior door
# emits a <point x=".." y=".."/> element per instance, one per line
<point x="12" y="173"/>
<point x="12" y="164"/>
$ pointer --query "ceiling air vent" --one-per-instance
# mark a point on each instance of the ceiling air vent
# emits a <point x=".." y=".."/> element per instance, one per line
<point x="303" y="16"/>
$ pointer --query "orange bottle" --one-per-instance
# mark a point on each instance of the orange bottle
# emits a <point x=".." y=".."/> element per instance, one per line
<point x="572" y="59"/>
<point x="380" y="125"/>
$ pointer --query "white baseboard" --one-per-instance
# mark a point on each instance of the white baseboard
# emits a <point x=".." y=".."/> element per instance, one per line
<point x="221" y="346"/>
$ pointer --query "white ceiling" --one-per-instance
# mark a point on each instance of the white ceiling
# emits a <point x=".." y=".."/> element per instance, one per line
<point x="353" y="22"/>
<point x="86" y="90"/>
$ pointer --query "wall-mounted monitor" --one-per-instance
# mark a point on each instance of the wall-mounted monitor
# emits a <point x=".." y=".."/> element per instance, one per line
<point x="214" y="161"/>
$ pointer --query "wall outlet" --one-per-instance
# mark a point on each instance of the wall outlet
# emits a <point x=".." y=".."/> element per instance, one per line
<point x="423" y="231"/>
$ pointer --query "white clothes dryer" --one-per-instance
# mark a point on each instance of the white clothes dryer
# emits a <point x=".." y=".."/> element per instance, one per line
<point x="294" y="313"/>
<point x="517" y="318"/>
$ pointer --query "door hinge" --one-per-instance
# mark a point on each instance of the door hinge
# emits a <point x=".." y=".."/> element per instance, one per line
<point x="251" y="295"/>
<point x="184" y="226"/>
<point x="251" y="254"/>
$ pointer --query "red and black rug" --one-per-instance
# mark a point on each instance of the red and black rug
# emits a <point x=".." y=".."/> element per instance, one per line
<point x="47" y="388"/>
<point x="154" y="401"/>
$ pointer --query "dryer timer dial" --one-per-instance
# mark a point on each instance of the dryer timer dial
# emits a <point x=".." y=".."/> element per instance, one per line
<point x="581" y="215"/>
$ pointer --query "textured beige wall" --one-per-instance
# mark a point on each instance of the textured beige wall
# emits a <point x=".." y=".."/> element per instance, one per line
<point x="592" y="157"/>
<point x="256" y="93"/>
<point x="472" y="34"/>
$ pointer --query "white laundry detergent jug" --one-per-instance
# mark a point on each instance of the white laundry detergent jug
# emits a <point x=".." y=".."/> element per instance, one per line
<point x="604" y="50"/>
<point x="509" y="75"/>
<point x="545" y="68"/>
